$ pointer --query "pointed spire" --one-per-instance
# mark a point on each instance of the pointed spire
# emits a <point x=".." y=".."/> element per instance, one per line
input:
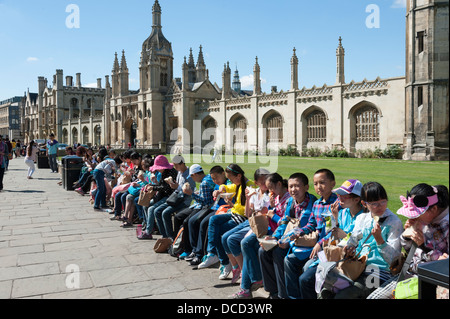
<point x="256" y="78"/>
<point x="294" y="71"/>
<point x="116" y="64"/>
<point x="340" y="57"/>
<point x="191" y="63"/>
<point x="294" y="59"/>
<point x="200" y="60"/>
<point x="256" y="68"/>
<point x="156" y="15"/>
<point x="340" y="50"/>
<point x="123" y="63"/>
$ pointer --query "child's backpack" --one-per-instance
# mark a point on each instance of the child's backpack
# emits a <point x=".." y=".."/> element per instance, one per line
<point x="177" y="247"/>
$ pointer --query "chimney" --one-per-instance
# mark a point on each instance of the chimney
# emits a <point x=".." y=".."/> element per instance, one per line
<point x="78" y="80"/>
<point x="99" y="83"/>
<point x="69" y="80"/>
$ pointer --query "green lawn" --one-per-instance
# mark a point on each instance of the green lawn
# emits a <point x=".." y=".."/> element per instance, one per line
<point x="395" y="175"/>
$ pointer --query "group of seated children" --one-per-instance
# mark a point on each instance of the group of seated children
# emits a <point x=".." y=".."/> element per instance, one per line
<point x="291" y="258"/>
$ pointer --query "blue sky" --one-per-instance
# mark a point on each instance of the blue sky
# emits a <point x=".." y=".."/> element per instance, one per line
<point x="35" y="41"/>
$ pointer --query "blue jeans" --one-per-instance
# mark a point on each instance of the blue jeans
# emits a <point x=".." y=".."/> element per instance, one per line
<point x="307" y="283"/>
<point x="293" y="268"/>
<point x="100" y="196"/>
<point x="52" y="162"/>
<point x="163" y="216"/>
<point x="119" y="203"/>
<point x="139" y="208"/>
<point x="231" y="240"/>
<point x="251" y="269"/>
<point x="150" y="222"/>
<point x="219" y="225"/>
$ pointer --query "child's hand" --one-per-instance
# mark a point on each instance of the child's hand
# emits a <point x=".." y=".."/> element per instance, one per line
<point x="315" y="250"/>
<point x="376" y="232"/>
<point x="335" y="209"/>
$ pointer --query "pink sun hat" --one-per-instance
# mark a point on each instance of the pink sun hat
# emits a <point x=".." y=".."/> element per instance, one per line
<point x="161" y="162"/>
<point x="414" y="207"/>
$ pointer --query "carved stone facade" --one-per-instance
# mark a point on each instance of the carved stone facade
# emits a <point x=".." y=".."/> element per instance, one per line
<point x="72" y="112"/>
<point x="191" y="112"/>
<point x="427" y="76"/>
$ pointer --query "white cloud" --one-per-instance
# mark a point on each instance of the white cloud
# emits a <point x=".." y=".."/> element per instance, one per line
<point x="91" y="85"/>
<point x="247" y="81"/>
<point x="399" y="4"/>
<point x="32" y="59"/>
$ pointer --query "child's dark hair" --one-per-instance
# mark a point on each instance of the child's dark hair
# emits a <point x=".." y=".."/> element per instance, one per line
<point x="329" y="174"/>
<point x="301" y="177"/>
<point x="427" y="190"/>
<point x="216" y="170"/>
<point x="372" y="192"/>
<point x="118" y="160"/>
<point x="259" y="173"/>
<point x="135" y="156"/>
<point x="235" y="170"/>
<point x="102" y="153"/>
<point x="275" y="178"/>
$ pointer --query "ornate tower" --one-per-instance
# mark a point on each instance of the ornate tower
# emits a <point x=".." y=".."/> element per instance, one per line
<point x="340" y="55"/>
<point x="115" y="77"/>
<point x="201" y="67"/>
<point x="257" y="78"/>
<point x="156" y="65"/>
<point x="226" y="81"/>
<point x="427" y="77"/>
<point x="294" y="72"/>
<point x="123" y="76"/>
<point x="236" y="82"/>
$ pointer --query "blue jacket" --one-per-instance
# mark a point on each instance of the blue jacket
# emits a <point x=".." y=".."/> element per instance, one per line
<point x="279" y="232"/>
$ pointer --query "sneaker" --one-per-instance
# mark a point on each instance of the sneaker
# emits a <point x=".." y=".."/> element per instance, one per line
<point x="208" y="261"/>
<point x="236" y="275"/>
<point x="190" y="257"/>
<point x="225" y="271"/>
<point x="195" y="261"/>
<point x="242" y="294"/>
<point x="256" y="285"/>
<point x="79" y="191"/>
<point x="144" y="235"/>
<point x="184" y="255"/>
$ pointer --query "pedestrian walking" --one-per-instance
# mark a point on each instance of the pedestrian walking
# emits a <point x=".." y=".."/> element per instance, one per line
<point x="31" y="158"/>
<point x="3" y="155"/>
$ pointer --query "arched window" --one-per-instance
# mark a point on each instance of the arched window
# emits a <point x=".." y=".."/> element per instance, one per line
<point x="274" y="128"/>
<point x="98" y="135"/>
<point x="317" y="127"/>
<point x="65" y="136"/>
<point x="367" y="124"/>
<point x="85" y="135"/>
<point x="74" y="135"/>
<point x="240" y="130"/>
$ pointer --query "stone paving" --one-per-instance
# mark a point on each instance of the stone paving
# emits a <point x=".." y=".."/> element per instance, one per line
<point x="54" y="245"/>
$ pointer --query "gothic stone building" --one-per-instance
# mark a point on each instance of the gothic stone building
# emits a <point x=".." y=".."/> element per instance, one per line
<point x="72" y="112"/>
<point x="427" y="87"/>
<point x="192" y="112"/>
